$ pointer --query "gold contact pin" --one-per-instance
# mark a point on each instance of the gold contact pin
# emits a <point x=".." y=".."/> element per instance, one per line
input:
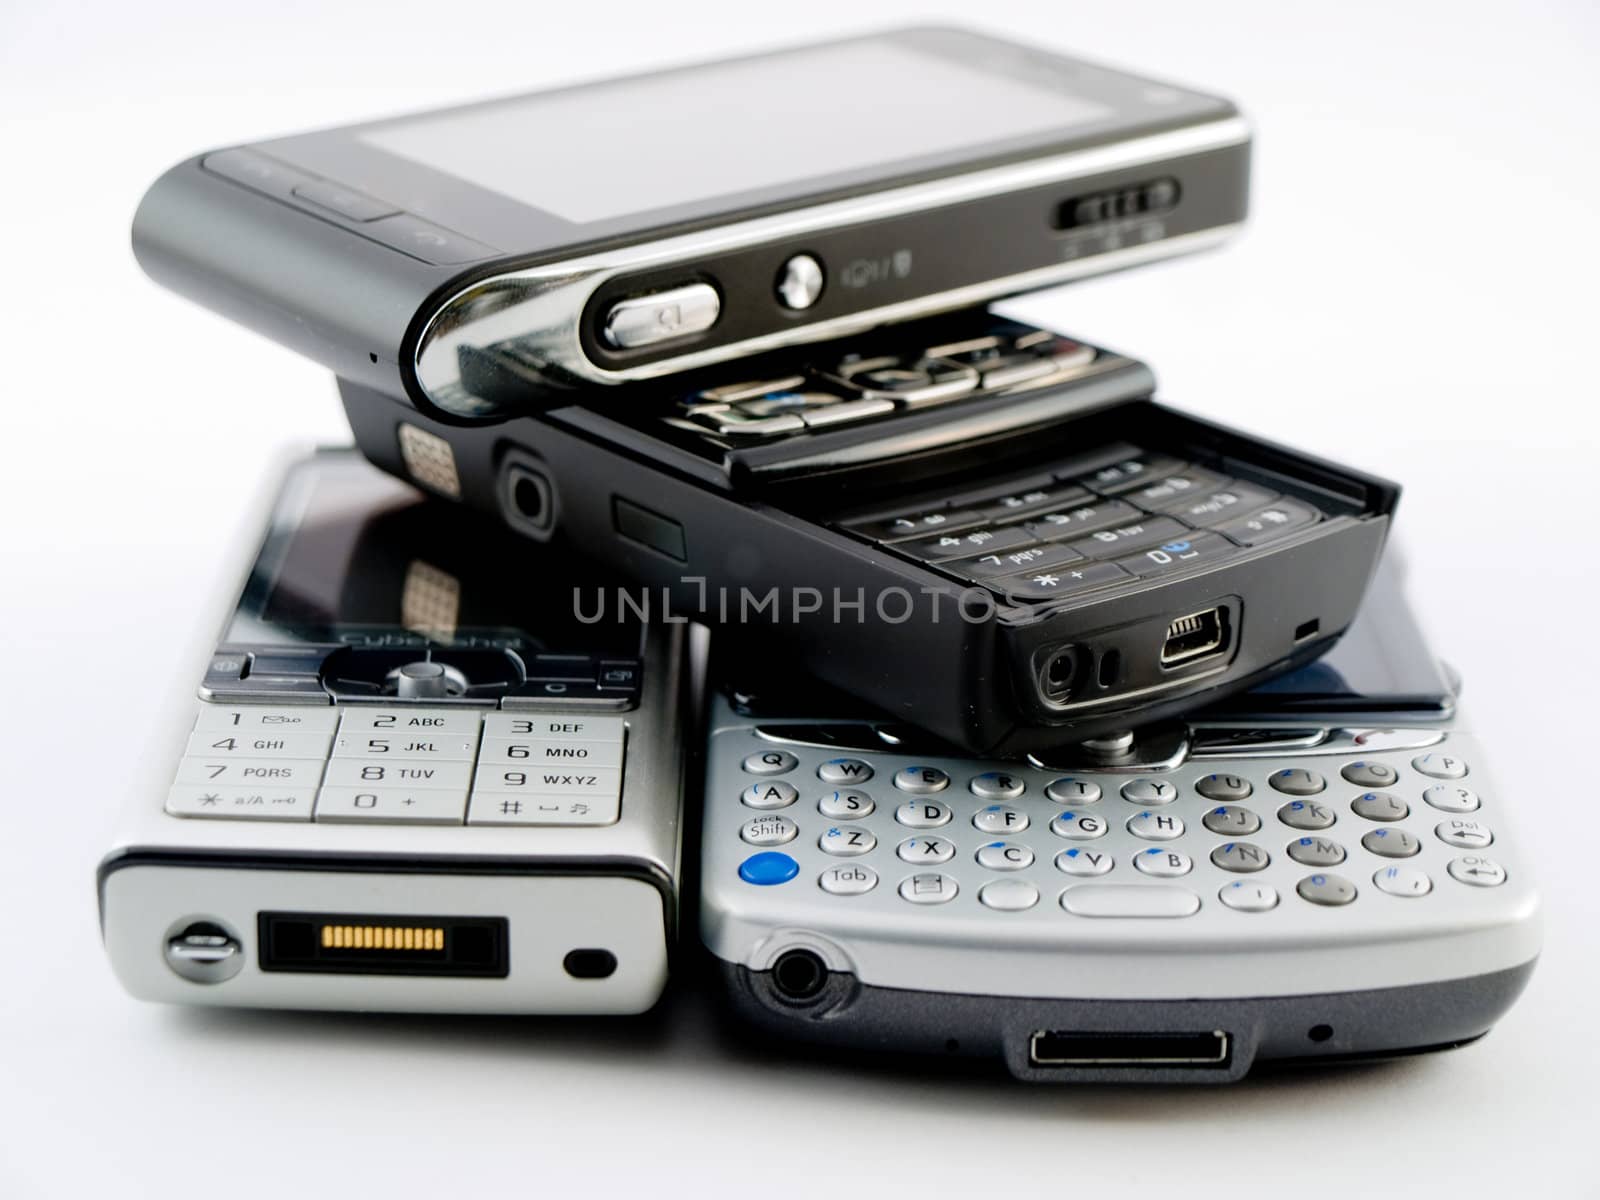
<point x="381" y="937"/>
<point x="385" y="944"/>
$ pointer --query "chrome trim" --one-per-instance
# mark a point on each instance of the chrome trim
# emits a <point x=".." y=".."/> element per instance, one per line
<point x="539" y="308"/>
<point x="1337" y="740"/>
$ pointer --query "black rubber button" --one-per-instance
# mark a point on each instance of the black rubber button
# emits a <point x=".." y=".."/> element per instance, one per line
<point x="590" y="964"/>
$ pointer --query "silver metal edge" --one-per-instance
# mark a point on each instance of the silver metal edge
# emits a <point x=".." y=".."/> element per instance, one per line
<point x="544" y="303"/>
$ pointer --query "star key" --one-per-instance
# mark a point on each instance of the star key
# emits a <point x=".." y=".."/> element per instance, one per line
<point x="1046" y="584"/>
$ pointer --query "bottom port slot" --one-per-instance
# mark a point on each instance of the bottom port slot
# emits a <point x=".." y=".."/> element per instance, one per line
<point x="362" y="944"/>
<point x="1055" y="1048"/>
<point x="1198" y="635"/>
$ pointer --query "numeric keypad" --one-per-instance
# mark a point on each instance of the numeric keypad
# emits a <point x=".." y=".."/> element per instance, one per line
<point x="401" y="765"/>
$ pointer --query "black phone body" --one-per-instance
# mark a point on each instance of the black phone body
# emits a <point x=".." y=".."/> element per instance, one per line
<point x="632" y="228"/>
<point x="1045" y="558"/>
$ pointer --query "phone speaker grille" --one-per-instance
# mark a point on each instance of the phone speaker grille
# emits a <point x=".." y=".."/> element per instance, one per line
<point x="430" y="461"/>
<point x="430" y="601"/>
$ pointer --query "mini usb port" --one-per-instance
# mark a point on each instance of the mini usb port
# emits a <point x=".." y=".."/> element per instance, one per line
<point x="1056" y="1048"/>
<point x="1195" y="636"/>
<point x="356" y="944"/>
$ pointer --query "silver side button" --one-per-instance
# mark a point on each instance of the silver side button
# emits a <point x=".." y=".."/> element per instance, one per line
<point x="204" y="953"/>
<point x="661" y="316"/>
<point x="850" y="410"/>
<point x="734" y="423"/>
<point x="800" y="282"/>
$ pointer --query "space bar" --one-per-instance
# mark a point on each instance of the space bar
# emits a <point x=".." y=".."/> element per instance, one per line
<point x="1129" y="900"/>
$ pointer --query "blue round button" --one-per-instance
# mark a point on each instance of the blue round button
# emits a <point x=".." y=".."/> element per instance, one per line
<point x="767" y="868"/>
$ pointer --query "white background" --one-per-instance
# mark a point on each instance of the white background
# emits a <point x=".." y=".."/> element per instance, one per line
<point x="1416" y="295"/>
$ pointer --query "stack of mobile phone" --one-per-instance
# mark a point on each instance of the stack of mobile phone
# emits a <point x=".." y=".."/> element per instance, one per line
<point x="1021" y="738"/>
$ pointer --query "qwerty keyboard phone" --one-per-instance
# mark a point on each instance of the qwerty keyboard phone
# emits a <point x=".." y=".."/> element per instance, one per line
<point x="985" y="528"/>
<point x="407" y="783"/>
<point x="1321" y="870"/>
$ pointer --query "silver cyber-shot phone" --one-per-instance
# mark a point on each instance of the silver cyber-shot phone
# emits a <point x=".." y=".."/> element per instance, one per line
<point x="637" y="227"/>
<point x="407" y="783"/>
<point x="1323" y="869"/>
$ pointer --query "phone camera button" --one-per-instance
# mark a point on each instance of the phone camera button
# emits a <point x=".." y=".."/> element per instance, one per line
<point x="800" y="282"/>
<point x="661" y="316"/>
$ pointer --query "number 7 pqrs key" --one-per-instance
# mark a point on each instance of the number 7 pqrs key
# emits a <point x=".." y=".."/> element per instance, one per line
<point x="250" y="764"/>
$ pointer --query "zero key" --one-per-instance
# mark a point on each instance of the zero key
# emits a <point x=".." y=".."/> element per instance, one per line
<point x="1178" y="554"/>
